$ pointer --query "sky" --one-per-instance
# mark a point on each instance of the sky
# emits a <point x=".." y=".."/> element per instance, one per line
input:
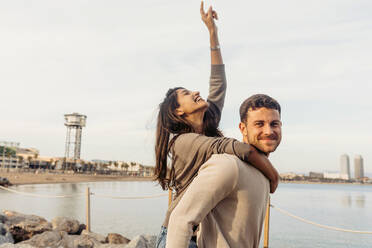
<point x="114" y="61"/>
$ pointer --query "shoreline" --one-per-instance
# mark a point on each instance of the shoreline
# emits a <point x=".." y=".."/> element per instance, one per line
<point x="52" y="178"/>
<point x="26" y="178"/>
<point x="308" y="182"/>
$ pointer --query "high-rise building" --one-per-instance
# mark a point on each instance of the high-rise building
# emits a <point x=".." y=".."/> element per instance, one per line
<point x="345" y="167"/>
<point x="358" y="167"/>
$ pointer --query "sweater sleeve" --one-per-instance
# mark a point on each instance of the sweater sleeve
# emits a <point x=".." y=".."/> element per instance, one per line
<point x="217" y="86"/>
<point x="216" y="179"/>
<point x="200" y="148"/>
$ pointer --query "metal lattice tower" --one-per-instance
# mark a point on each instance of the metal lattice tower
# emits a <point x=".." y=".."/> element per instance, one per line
<point x="74" y="123"/>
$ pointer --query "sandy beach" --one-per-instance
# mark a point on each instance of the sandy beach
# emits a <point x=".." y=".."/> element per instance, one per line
<point x="46" y="178"/>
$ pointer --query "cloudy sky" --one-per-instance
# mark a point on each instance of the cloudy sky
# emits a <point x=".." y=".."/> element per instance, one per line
<point x="114" y="60"/>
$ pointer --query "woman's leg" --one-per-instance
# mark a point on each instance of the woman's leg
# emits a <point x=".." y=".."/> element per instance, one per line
<point x="162" y="238"/>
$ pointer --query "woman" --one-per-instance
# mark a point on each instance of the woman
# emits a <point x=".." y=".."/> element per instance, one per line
<point x="187" y="129"/>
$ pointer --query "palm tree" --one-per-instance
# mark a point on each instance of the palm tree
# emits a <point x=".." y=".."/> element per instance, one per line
<point x="9" y="156"/>
<point x="20" y="160"/>
<point x="51" y="163"/>
<point x="29" y="159"/>
<point x="35" y="157"/>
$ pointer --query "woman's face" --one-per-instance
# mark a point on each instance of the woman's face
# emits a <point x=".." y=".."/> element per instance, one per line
<point x="190" y="102"/>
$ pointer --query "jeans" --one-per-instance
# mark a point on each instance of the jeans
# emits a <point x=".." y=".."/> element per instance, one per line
<point x="162" y="238"/>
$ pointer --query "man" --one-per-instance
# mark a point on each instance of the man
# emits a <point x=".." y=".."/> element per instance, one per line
<point x="228" y="199"/>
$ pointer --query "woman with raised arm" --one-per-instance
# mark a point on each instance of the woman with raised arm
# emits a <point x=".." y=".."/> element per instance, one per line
<point x="187" y="130"/>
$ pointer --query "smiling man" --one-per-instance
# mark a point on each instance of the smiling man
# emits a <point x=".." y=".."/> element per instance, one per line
<point x="228" y="199"/>
<point x="260" y="122"/>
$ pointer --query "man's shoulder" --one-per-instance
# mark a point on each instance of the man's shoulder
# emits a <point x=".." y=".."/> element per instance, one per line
<point x="244" y="170"/>
<point x="223" y="166"/>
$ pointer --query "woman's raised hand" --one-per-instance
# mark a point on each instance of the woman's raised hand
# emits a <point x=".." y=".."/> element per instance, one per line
<point x="208" y="18"/>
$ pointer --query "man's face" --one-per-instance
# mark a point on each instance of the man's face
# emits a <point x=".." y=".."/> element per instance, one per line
<point x="263" y="129"/>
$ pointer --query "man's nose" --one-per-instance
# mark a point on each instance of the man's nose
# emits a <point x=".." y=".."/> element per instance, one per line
<point x="268" y="130"/>
<point x="196" y="93"/>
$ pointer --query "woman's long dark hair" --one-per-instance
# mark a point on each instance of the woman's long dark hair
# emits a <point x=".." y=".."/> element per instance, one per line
<point x="169" y="123"/>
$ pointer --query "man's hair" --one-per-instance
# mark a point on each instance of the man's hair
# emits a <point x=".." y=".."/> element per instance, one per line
<point x="255" y="102"/>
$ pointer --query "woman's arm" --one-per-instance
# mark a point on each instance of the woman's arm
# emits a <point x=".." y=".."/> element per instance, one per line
<point x="208" y="19"/>
<point x="217" y="88"/>
<point x="195" y="149"/>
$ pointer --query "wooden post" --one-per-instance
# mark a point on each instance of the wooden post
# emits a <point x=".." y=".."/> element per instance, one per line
<point x="267" y="225"/>
<point x="88" y="209"/>
<point x="170" y="196"/>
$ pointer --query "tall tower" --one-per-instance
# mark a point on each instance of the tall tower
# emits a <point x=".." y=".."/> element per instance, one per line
<point x="74" y="123"/>
<point x="345" y="167"/>
<point x="358" y="167"/>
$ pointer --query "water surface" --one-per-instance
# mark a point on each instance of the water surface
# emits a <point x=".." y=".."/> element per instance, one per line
<point x="345" y="206"/>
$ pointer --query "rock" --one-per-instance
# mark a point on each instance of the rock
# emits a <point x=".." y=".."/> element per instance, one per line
<point x="5" y="236"/>
<point x="4" y="182"/>
<point x="2" y="218"/>
<point x="100" y="238"/>
<point x="23" y="227"/>
<point x="113" y="246"/>
<point x="6" y="239"/>
<point x="114" y="238"/>
<point x="66" y="224"/>
<point x="3" y="230"/>
<point x="50" y="239"/>
<point x="142" y="241"/>
<point x="82" y="227"/>
<point x="86" y="241"/>
<point x="8" y="245"/>
<point x="59" y="239"/>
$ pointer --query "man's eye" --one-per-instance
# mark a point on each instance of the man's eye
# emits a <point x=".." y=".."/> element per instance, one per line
<point x="259" y="124"/>
<point x="275" y="124"/>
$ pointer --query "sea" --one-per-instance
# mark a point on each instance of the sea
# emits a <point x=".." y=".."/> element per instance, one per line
<point x="134" y="208"/>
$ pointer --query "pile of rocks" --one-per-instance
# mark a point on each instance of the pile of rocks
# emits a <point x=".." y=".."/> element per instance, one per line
<point x="30" y="231"/>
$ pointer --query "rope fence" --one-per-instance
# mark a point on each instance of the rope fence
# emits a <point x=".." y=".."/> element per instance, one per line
<point x="39" y="196"/>
<point x="129" y="197"/>
<point x="82" y="194"/>
<point x="317" y="224"/>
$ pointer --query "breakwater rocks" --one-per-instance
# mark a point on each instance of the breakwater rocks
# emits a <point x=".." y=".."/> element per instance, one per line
<point x="30" y="231"/>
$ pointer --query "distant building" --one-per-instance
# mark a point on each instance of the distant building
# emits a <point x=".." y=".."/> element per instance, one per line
<point x="345" y="167"/>
<point x="316" y="175"/>
<point x="332" y="175"/>
<point x="358" y="167"/>
<point x="291" y="176"/>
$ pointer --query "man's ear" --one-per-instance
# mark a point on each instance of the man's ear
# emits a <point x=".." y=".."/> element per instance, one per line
<point x="243" y="129"/>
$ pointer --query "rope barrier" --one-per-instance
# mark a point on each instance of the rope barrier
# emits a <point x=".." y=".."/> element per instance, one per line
<point x="76" y="195"/>
<point x="130" y="197"/>
<point x="317" y="224"/>
<point x="166" y="194"/>
<point x="40" y="196"/>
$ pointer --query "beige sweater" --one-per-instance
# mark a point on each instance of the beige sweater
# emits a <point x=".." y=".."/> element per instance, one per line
<point x="228" y="199"/>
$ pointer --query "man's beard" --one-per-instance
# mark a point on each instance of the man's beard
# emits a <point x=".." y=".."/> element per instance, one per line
<point x="266" y="148"/>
